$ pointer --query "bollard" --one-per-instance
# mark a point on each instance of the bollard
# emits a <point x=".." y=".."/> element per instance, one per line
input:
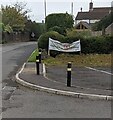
<point x="39" y="55"/>
<point x="69" y="74"/>
<point x="37" y="65"/>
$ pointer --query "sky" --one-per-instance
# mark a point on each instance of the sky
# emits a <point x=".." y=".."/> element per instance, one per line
<point x="56" y="6"/>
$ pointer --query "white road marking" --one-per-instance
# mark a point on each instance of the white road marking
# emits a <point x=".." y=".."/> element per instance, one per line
<point x="57" y="91"/>
<point x="98" y="70"/>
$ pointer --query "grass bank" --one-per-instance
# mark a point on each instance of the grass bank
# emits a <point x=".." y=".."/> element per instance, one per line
<point x="99" y="60"/>
<point x="32" y="57"/>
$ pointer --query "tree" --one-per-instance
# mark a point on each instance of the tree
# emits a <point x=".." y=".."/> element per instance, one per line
<point x="14" y="16"/>
<point x="103" y="23"/>
<point x="8" y="29"/>
<point x="63" y="20"/>
<point x="36" y="28"/>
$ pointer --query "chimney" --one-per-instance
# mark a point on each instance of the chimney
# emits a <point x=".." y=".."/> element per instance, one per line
<point x="112" y="4"/>
<point x="81" y="9"/>
<point x="91" y="6"/>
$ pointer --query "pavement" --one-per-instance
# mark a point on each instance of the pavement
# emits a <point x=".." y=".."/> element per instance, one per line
<point x="50" y="81"/>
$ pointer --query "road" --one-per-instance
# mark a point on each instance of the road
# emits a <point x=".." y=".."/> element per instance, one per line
<point x="82" y="76"/>
<point x="20" y="102"/>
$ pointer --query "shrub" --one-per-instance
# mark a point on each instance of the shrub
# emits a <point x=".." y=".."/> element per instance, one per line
<point x="44" y="38"/>
<point x="97" y="44"/>
<point x="58" y="29"/>
<point x="63" y="20"/>
<point x="100" y="44"/>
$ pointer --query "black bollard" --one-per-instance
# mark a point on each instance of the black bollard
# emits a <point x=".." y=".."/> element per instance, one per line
<point x="39" y="55"/>
<point x="37" y="65"/>
<point x="69" y="74"/>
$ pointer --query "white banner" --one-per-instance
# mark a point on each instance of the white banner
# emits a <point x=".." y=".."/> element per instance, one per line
<point x="64" y="47"/>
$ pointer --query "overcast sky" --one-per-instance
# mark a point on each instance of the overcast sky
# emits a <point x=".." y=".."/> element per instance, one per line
<point x="56" y="6"/>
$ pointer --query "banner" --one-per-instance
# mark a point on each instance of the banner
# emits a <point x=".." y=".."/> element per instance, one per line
<point x="64" y="47"/>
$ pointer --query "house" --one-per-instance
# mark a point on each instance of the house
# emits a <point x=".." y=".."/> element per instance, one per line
<point x="93" y="15"/>
<point x="82" y="25"/>
<point x="109" y="30"/>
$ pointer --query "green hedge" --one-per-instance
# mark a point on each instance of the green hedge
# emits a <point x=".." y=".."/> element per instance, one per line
<point x="58" y="29"/>
<point x="44" y="39"/>
<point x="101" y="44"/>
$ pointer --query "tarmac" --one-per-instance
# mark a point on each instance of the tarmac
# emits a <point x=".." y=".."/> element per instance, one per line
<point x="27" y="76"/>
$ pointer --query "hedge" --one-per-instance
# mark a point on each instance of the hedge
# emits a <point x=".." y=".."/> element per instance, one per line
<point x="100" y="44"/>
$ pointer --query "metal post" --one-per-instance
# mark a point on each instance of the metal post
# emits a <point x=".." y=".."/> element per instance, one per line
<point x="69" y="74"/>
<point x="40" y="55"/>
<point x="37" y="65"/>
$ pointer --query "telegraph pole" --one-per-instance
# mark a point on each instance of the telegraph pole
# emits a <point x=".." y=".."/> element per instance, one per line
<point x="45" y="8"/>
<point x="72" y="8"/>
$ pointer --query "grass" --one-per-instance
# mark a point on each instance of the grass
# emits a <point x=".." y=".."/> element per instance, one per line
<point x="92" y="60"/>
<point x="32" y="58"/>
<point x="97" y="60"/>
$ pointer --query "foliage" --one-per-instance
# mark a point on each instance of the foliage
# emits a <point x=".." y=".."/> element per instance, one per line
<point x="36" y="28"/>
<point x="8" y="29"/>
<point x="97" y="44"/>
<point x="73" y="34"/>
<point x="43" y="39"/>
<point x="101" y="44"/>
<point x="58" y="29"/>
<point x="63" y="20"/>
<point x="2" y="27"/>
<point x="102" y="24"/>
<point x="14" y="16"/>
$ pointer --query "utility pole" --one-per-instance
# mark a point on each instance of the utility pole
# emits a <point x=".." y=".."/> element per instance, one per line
<point x="45" y="7"/>
<point x="72" y="8"/>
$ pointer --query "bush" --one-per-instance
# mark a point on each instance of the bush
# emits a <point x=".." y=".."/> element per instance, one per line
<point x="101" y="44"/>
<point x="44" y="39"/>
<point x="58" y="29"/>
<point x="97" y="45"/>
<point x="63" y="20"/>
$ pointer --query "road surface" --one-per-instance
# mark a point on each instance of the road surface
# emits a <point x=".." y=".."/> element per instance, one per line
<point x="20" y="102"/>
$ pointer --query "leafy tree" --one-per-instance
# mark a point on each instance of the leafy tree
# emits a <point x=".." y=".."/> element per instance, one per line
<point x="63" y="20"/>
<point x="8" y="29"/>
<point x="14" y="16"/>
<point x="103" y="23"/>
<point x="36" y="28"/>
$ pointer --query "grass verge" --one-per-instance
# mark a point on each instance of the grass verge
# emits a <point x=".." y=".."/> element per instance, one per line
<point x="32" y="57"/>
<point x="92" y="60"/>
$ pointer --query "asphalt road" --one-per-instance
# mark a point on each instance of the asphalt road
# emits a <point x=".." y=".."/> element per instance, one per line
<point x="20" y="102"/>
<point x="82" y="76"/>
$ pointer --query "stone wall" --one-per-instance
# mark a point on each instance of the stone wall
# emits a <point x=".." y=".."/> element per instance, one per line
<point x="15" y="37"/>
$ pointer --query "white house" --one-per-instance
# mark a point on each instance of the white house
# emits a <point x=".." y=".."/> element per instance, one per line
<point x="93" y="15"/>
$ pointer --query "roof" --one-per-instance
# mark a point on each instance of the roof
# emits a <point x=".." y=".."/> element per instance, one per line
<point x="85" y="24"/>
<point x="96" y="13"/>
<point x="109" y="29"/>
